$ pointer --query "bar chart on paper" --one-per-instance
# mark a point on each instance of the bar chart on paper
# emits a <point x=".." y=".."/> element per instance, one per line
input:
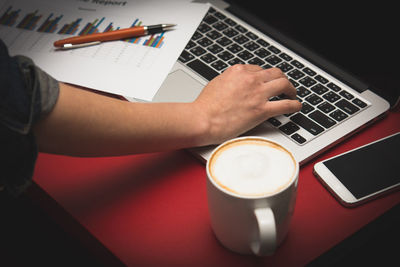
<point x="51" y="23"/>
<point x="31" y="27"/>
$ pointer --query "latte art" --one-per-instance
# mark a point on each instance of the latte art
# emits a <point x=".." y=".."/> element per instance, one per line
<point x="252" y="167"/>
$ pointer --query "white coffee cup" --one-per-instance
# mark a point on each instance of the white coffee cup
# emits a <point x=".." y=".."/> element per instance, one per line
<point x="251" y="191"/>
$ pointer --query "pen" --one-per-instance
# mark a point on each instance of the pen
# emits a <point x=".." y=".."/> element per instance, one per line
<point x="96" y="38"/>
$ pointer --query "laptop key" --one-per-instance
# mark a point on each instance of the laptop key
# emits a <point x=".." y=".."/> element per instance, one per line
<point x="196" y="36"/>
<point x="307" y="124"/>
<point x="262" y="42"/>
<point x="262" y="53"/>
<point x="234" y="48"/>
<point x="204" y="70"/>
<point x="274" y="49"/>
<point x="307" y="81"/>
<point x="204" y="42"/>
<point x="215" y="49"/>
<point x="225" y="55"/>
<point x="309" y="71"/>
<point x="298" y="138"/>
<point x="338" y="115"/>
<point x="220" y="26"/>
<point x="235" y="61"/>
<point x="251" y="46"/>
<point x="241" y="28"/>
<point x="359" y="103"/>
<point x="256" y="61"/>
<point x="302" y="91"/>
<point x="190" y="44"/>
<point x="245" y="55"/>
<point x="219" y="65"/>
<point x="321" y="79"/>
<point x="274" y="122"/>
<point x="230" y="22"/>
<point x="306" y="108"/>
<point x="297" y="64"/>
<point x="222" y="41"/>
<point x="285" y="56"/>
<point x="296" y="74"/>
<point x="295" y="84"/>
<point x="319" y="89"/>
<point x="266" y="66"/>
<point x="198" y="51"/>
<point x="230" y="32"/>
<point x="214" y="35"/>
<point x="208" y="58"/>
<point x="289" y="128"/>
<point x="314" y="99"/>
<point x="240" y="39"/>
<point x="219" y="15"/>
<point x="331" y="97"/>
<point x="285" y="67"/>
<point x="210" y="19"/>
<point x="203" y="28"/>
<point x="273" y="60"/>
<point x="251" y="35"/>
<point x="326" y="107"/>
<point x="185" y="56"/>
<point x="334" y="87"/>
<point x="347" y="106"/>
<point x="347" y="95"/>
<point x="322" y="119"/>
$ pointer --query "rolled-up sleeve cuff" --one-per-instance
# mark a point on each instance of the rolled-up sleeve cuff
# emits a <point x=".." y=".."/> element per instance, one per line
<point x="26" y="94"/>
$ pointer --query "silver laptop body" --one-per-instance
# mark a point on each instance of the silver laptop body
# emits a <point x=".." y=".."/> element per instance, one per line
<point x="184" y="84"/>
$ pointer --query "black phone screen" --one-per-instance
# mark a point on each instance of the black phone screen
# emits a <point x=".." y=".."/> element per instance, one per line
<point x="369" y="169"/>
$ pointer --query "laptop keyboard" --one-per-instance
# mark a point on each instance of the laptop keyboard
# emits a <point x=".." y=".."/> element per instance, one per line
<point x="220" y="42"/>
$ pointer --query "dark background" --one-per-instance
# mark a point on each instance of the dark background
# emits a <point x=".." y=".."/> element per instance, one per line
<point x="29" y="237"/>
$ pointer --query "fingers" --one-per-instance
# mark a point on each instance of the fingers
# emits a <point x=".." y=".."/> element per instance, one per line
<point x="265" y="75"/>
<point x="271" y="74"/>
<point x="273" y="81"/>
<point x="280" y="86"/>
<point x="285" y="106"/>
<point x="250" y="67"/>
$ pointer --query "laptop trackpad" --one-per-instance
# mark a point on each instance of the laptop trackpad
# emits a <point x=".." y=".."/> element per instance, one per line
<point x="178" y="87"/>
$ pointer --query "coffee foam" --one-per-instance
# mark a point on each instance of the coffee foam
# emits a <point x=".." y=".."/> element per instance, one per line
<point x="252" y="167"/>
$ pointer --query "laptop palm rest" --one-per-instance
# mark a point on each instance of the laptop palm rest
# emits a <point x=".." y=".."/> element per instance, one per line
<point x="178" y="87"/>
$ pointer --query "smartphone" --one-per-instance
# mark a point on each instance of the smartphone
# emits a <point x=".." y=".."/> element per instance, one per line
<point x="364" y="173"/>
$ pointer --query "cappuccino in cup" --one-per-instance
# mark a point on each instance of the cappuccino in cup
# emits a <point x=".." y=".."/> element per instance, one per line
<point x="251" y="192"/>
<point x="252" y="167"/>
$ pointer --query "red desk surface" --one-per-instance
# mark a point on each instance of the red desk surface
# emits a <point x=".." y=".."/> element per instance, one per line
<point x="152" y="208"/>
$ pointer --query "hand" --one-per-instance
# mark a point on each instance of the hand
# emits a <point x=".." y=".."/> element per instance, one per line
<point x="237" y="100"/>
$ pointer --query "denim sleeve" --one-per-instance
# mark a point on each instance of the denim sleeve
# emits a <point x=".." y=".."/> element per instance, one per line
<point x="26" y="94"/>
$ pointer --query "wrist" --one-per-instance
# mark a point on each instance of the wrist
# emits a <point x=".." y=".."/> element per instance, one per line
<point x="201" y="126"/>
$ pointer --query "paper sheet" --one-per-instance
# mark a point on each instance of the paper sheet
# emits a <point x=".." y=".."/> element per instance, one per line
<point x="133" y="68"/>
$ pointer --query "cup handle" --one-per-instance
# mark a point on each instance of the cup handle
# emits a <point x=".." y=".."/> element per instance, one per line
<point x="265" y="244"/>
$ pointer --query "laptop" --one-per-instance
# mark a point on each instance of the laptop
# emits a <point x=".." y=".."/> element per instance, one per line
<point x="336" y="103"/>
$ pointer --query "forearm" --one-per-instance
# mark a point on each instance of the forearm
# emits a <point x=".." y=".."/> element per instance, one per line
<point x="83" y="123"/>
